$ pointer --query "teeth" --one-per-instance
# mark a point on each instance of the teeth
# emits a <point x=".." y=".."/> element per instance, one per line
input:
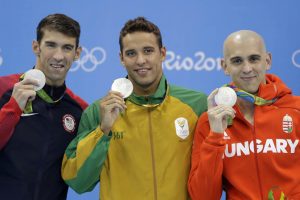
<point x="57" y="66"/>
<point x="247" y="77"/>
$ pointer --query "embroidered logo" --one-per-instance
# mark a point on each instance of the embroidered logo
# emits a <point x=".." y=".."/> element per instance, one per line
<point x="276" y="193"/>
<point x="287" y="124"/>
<point x="226" y="136"/>
<point x="182" y="127"/>
<point x="69" y="123"/>
<point x="117" y="135"/>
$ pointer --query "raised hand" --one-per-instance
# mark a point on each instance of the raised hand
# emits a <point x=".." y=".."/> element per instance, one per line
<point x="110" y="107"/>
<point x="218" y="114"/>
<point x="23" y="91"/>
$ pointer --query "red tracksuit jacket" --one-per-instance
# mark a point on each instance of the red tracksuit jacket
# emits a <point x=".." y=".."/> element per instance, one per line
<point x="259" y="161"/>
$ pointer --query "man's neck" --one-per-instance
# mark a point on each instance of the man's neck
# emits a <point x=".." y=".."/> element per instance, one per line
<point x="247" y="109"/>
<point x="144" y="91"/>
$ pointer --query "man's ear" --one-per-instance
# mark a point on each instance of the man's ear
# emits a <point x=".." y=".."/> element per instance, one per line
<point x="121" y="58"/>
<point x="78" y="53"/>
<point x="224" y="67"/>
<point x="268" y="60"/>
<point x="36" y="47"/>
<point x="163" y="52"/>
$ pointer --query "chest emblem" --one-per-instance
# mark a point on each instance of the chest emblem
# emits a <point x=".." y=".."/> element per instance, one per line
<point x="276" y="193"/>
<point x="182" y="127"/>
<point x="287" y="124"/>
<point x="69" y="123"/>
<point x="226" y="136"/>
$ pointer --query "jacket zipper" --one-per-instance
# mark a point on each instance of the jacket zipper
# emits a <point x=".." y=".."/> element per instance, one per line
<point x="40" y="170"/>
<point x="255" y="157"/>
<point x="152" y="155"/>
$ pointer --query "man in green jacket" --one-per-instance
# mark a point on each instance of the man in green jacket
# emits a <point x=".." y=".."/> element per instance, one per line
<point x="138" y="147"/>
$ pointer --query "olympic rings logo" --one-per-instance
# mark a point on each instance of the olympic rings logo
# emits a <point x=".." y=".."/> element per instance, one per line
<point x="89" y="60"/>
<point x="294" y="60"/>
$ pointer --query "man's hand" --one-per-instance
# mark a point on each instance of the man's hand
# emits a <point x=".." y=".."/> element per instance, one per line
<point x="110" y="107"/>
<point x="217" y="115"/>
<point x="23" y="91"/>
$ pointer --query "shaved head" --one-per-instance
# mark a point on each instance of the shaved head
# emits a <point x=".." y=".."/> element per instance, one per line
<point x="246" y="60"/>
<point x="241" y="37"/>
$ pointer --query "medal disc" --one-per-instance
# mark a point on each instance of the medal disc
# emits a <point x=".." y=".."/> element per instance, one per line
<point x="122" y="85"/>
<point x="226" y="96"/>
<point x="37" y="75"/>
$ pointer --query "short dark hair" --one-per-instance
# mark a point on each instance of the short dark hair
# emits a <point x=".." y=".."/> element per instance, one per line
<point x="140" y="24"/>
<point x="60" y="23"/>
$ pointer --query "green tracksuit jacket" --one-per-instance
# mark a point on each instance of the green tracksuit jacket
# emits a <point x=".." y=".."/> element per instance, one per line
<point x="147" y="153"/>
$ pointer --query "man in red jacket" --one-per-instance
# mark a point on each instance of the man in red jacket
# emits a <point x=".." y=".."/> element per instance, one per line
<point x="257" y="156"/>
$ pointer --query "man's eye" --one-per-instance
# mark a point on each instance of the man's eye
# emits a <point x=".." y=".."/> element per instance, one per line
<point x="237" y="61"/>
<point x="50" y="45"/>
<point x="254" y="59"/>
<point x="130" y="53"/>
<point x="68" y="48"/>
<point x="148" y="51"/>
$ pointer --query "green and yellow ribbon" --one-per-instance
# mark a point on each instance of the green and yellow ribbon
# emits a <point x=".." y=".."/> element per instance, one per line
<point x="42" y="94"/>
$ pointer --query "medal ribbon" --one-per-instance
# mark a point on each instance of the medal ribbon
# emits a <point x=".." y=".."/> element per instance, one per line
<point x="43" y="95"/>
<point x="251" y="97"/>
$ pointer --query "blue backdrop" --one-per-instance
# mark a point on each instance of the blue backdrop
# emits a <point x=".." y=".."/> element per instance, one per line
<point x="193" y="33"/>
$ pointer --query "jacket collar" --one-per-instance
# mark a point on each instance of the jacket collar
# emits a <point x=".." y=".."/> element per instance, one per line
<point x="54" y="92"/>
<point x="274" y="88"/>
<point x="154" y="99"/>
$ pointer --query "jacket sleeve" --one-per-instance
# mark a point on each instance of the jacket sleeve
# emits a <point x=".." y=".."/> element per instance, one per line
<point x="86" y="154"/>
<point x="9" y="117"/>
<point x="205" y="180"/>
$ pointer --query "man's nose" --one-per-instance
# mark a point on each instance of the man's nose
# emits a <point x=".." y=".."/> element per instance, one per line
<point x="58" y="54"/>
<point x="247" y="67"/>
<point x="140" y="59"/>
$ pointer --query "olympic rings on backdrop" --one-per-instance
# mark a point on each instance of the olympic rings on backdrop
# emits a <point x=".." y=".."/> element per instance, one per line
<point x="296" y="53"/>
<point x="89" y="60"/>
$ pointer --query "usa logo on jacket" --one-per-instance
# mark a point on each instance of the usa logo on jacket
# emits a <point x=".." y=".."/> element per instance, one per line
<point x="69" y="123"/>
